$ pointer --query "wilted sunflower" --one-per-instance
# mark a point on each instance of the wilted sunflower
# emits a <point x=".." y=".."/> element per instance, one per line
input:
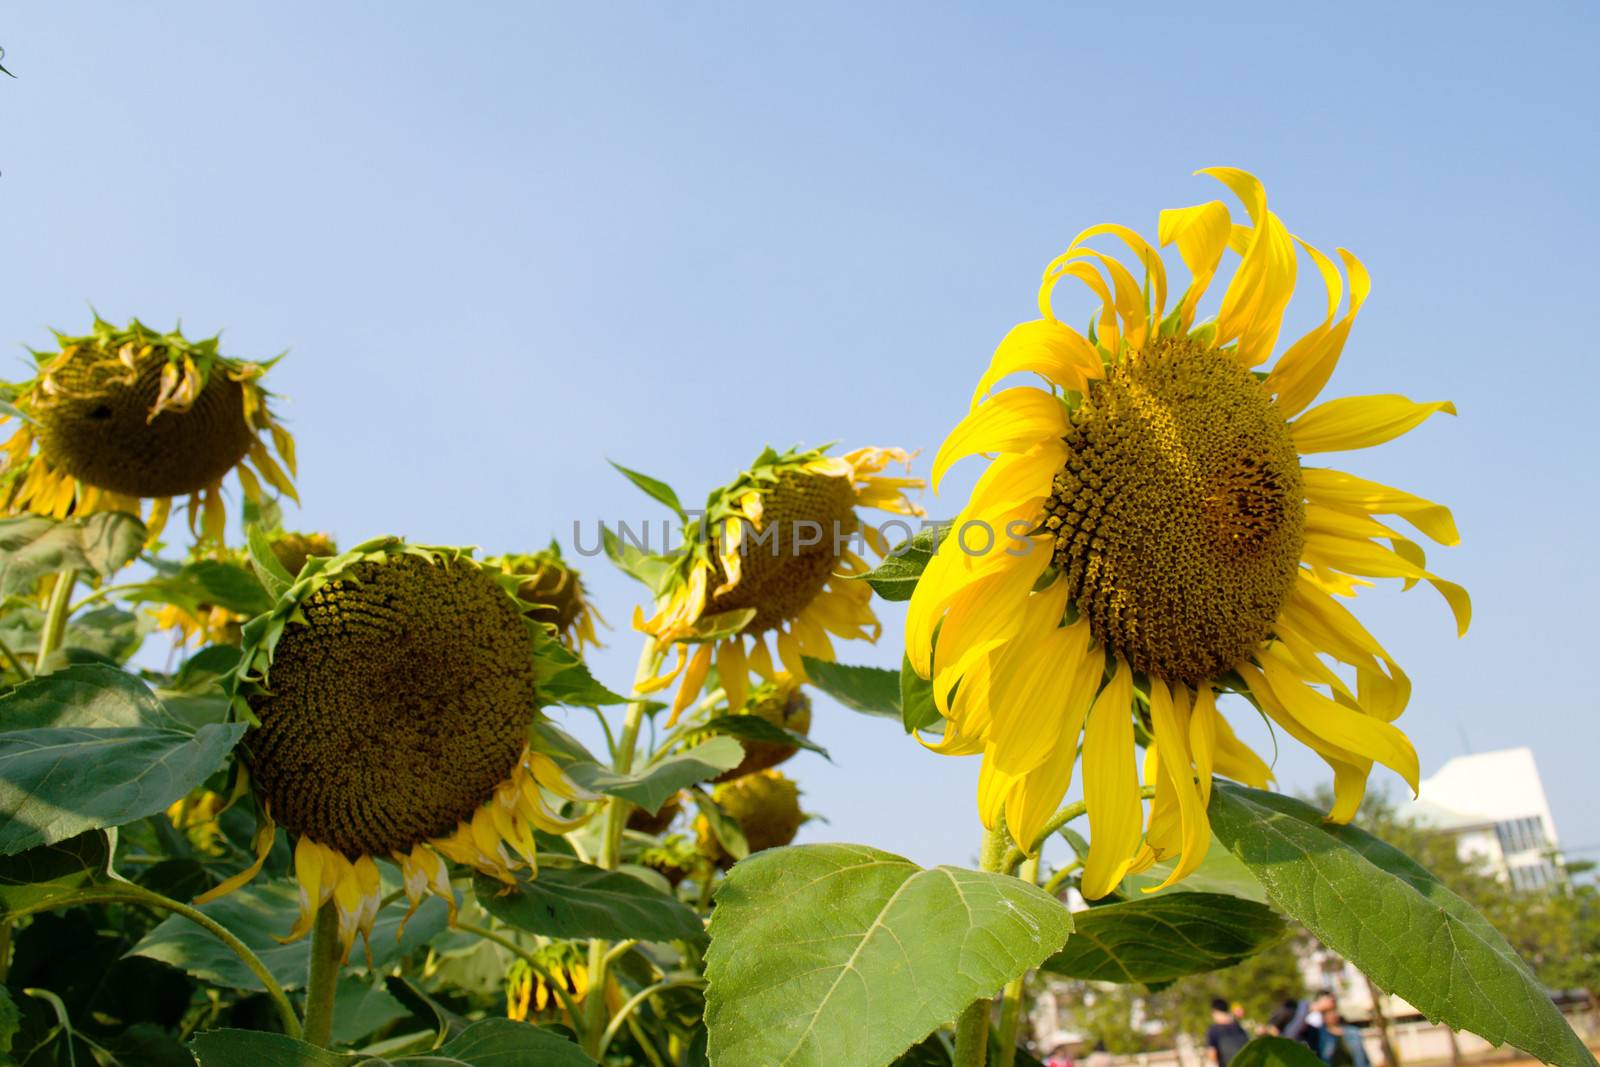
<point x="556" y="592"/>
<point x="124" y="415"/>
<point x="767" y="807"/>
<point x="1167" y="545"/>
<point x="391" y="691"/>
<point x="783" y="704"/>
<point x="772" y="556"/>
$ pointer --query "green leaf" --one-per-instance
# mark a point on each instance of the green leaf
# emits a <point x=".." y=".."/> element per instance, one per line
<point x="564" y="678"/>
<point x="207" y="583"/>
<point x="651" y="787"/>
<point x="360" y="1007"/>
<point x="1275" y="1052"/>
<point x="755" y="728"/>
<point x="654" y="571"/>
<point x="1380" y="910"/>
<point x="869" y="690"/>
<point x="235" y="1048"/>
<point x="653" y="488"/>
<point x="917" y="709"/>
<point x="489" y="1043"/>
<point x="844" y="956"/>
<point x="1162" y="938"/>
<point x="423" y="1008"/>
<point x="579" y="900"/>
<point x="32" y="546"/>
<point x="269" y="569"/>
<point x="504" y="1043"/>
<point x="32" y="878"/>
<point x="259" y="914"/>
<point x="896" y="577"/>
<point x="91" y="747"/>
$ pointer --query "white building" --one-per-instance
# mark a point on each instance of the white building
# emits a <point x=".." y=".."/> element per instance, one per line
<point x="1493" y="803"/>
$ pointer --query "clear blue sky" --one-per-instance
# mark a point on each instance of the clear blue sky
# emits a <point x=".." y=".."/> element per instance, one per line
<point x="503" y="242"/>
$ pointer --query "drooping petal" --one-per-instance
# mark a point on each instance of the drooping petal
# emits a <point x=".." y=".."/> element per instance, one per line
<point x="1350" y="422"/>
<point x="1111" y="787"/>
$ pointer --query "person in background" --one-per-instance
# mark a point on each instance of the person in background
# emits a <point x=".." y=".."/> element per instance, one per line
<point x="1061" y="1056"/>
<point x="1306" y="1023"/>
<point x="1341" y="1042"/>
<point x="1224" y="1037"/>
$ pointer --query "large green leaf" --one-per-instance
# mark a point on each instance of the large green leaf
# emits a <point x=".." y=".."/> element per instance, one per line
<point x="654" y="571"/>
<point x="844" y="956"/>
<point x="258" y="915"/>
<point x="1162" y="938"/>
<point x="109" y="633"/>
<point x="579" y="900"/>
<point x="1380" y="910"/>
<point x="490" y="1043"/>
<point x="32" y="546"/>
<point x="34" y="877"/>
<point x="1275" y="1052"/>
<point x="91" y="747"/>
<point x="650" y="788"/>
<point x="896" y="577"/>
<point x="870" y="690"/>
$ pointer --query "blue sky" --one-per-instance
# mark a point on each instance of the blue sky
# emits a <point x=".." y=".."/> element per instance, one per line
<point x="505" y="242"/>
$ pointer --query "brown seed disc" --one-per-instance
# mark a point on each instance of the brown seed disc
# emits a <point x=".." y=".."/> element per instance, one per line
<point x="806" y="517"/>
<point x="1179" y="516"/>
<point x="396" y="708"/>
<point x="98" y="428"/>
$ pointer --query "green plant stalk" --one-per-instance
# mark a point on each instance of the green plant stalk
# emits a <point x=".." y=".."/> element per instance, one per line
<point x="613" y="820"/>
<point x="322" y="978"/>
<point x="1011" y="1002"/>
<point x="972" y="1026"/>
<point x="129" y="893"/>
<point x="57" y="611"/>
<point x="633" y="1002"/>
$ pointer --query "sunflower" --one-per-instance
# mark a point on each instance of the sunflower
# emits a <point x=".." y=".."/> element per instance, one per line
<point x="772" y="555"/>
<point x="124" y="415"/>
<point x="767" y="807"/>
<point x="1160" y="543"/>
<point x="784" y="704"/>
<point x="390" y="694"/>
<point x="557" y="594"/>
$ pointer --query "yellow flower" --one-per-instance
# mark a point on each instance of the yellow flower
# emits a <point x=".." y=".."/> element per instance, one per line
<point x="196" y="815"/>
<point x="1160" y="542"/>
<point x="390" y="692"/>
<point x="773" y="556"/>
<point x="557" y="594"/>
<point x="125" y="415"/>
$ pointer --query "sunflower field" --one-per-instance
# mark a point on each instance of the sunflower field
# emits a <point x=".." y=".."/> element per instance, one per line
<point x="266" y="799"/>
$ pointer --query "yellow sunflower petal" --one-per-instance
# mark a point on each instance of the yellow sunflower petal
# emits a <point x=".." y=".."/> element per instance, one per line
<point x="1351" y="422"/>
<point x="1111" y="787"/>
<point x="1013" y="420"/>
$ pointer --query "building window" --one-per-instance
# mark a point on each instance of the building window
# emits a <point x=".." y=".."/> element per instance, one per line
<point x="1520" y="835"/>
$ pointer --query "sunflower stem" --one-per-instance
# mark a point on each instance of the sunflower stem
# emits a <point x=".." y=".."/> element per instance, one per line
<point x="56" y="613"/>
<point x="1011" y="1002"/>
<point x="972" y="1026"/>
<point x="611" y="826"/>
<point x="327" y="960"/>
